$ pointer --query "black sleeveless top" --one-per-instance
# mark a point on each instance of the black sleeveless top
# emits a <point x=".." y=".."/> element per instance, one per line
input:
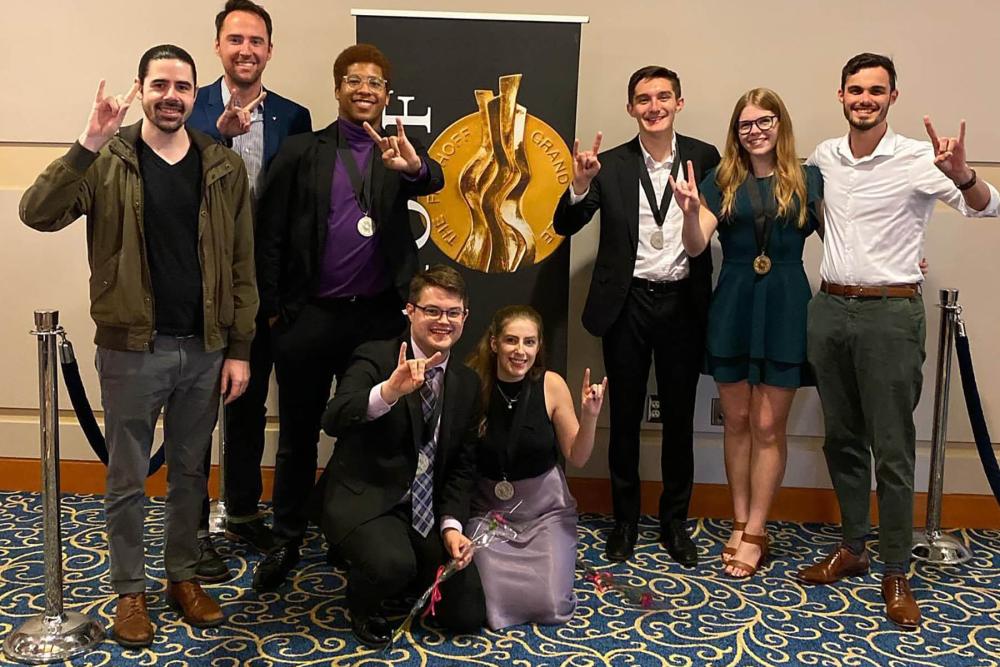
<point x="534" y="451"/>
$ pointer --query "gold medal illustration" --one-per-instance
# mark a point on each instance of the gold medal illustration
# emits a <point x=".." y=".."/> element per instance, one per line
<point x="504" y="173"/>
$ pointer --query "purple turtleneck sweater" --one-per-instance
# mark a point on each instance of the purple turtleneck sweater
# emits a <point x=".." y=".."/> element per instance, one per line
<point x="353" y="264"/>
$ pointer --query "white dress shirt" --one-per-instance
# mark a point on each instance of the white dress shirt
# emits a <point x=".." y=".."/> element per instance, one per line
<point x="876" y="209"/>
<point x="670" y="262"/>
<point x="250" y="146"/>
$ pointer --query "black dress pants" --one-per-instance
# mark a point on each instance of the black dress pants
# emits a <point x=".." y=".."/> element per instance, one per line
<point x="662" y="325"/>
<point x="386" y="556"/>
<point x="246" y="418"/>
<point x="308" y="353"/>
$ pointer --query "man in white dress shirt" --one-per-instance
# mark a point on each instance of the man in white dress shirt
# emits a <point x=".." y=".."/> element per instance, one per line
<point x="866" y="326"/>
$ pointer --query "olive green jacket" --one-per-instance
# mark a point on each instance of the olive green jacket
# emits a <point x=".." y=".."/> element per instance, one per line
<point x="106" y="187"/>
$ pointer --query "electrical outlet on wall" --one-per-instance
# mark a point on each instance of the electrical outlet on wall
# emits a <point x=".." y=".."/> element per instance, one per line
<point x="716" y="412"/>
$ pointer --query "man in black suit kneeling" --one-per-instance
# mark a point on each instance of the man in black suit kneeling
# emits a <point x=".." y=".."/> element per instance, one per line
<point x="396" y="491"/>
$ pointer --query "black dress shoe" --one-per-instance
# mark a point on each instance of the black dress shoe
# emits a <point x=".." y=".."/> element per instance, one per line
<point x="621" y="541"/>
<point x="274" y="568"/>
<point x="681" y="548"/>
<point x="335" y="559"/>
<point x="253" y="532"/>
<point x="373" y="631"/>
<point x="211" y="568"/>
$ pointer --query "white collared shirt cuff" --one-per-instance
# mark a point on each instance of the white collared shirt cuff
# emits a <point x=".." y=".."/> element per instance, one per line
<point x="575" y="198"/>
<point x="450" y="522"/>
<point x="992" y="208"/>
<point x="376" y="404"/>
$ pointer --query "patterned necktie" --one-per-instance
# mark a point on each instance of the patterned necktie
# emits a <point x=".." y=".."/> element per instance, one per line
<point x="422" y="489"/>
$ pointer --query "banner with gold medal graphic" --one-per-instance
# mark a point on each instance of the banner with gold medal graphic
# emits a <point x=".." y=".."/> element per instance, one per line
<point x="494" y="99"/>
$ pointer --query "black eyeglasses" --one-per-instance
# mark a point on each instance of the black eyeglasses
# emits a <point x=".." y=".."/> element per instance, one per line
<point x="764" y="123"/>
<point x="435" y="313"/>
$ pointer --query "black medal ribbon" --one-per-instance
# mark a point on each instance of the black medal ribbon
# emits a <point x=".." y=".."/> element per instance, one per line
<point x="659" y="212"/>
<point x="520" y="413"/>
<point x="763" y="219"/>
<point x="361" y="185"/>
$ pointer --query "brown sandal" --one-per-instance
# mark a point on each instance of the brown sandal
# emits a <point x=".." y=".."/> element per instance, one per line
<point x="731" y="551"/>
<point x="760" y="540"/>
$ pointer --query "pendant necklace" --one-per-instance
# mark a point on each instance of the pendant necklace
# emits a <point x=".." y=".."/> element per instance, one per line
<point x="508" y="400"/>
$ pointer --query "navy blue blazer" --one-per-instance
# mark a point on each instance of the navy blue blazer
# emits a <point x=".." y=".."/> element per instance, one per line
<point x="282" y="117"/>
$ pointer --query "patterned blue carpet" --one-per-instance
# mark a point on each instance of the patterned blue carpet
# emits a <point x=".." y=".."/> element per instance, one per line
<point x="708" y="620"/>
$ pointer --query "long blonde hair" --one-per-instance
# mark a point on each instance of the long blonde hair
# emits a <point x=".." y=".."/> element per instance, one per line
<point x="789" y="181"/>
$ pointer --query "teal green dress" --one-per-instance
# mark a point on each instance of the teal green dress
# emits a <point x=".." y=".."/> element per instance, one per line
<point x="757" y="324"/>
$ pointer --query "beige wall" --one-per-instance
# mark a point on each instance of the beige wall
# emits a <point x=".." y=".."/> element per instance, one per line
<point x="54" y="53"/>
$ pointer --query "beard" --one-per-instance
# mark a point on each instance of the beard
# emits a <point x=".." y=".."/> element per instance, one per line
<point x="167" y="125"/>
<point x="870" y="122"/>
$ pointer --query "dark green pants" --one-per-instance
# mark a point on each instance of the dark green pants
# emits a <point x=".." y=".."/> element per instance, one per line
<point x="868" y="355"/>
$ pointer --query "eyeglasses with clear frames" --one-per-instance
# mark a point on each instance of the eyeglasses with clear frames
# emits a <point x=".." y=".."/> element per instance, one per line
<point x="434" y="313"/>
<point x="764" y="123"/>
<point x="354" y="81"/>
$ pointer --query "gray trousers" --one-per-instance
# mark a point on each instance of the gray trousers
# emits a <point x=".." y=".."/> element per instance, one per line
<point x="182" y="380"/>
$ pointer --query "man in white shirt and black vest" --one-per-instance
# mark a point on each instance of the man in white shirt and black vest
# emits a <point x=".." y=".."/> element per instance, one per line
<point x="866" y="326"/>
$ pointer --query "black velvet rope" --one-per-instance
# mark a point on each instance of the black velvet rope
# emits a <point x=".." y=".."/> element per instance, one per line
<point x="85" y="414"/>
<point x="976" y="417"/>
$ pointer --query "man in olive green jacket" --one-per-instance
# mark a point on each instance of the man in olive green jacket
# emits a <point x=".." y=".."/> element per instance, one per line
<point x="173" y="295"/>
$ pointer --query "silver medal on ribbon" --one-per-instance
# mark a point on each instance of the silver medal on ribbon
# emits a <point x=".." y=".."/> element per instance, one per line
<point x="503" y="490"/>
<point x="366" y="226"/>
<point x="423" y="463"/>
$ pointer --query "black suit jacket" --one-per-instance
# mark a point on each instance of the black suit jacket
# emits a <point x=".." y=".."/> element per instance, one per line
<point x="282" y="117"/>
<point x="293" y="216"/>
<point x="615" y="192"/>
<point x="374" y="462"/>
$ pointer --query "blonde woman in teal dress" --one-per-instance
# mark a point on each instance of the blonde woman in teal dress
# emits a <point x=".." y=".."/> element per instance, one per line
<point x="763" y="203"/>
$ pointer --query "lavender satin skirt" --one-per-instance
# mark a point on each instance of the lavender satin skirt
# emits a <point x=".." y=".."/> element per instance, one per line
<point x="529" y="580"/>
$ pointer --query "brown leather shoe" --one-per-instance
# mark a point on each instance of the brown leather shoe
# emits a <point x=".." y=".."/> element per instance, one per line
<point x="132" y="627"/>
<point x="841" y="563"/>
<point x="900" y="606"/>
<point x="196" y="606"/>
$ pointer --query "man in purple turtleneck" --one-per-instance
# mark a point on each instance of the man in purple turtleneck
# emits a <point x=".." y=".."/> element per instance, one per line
<point x="335" y="256"/>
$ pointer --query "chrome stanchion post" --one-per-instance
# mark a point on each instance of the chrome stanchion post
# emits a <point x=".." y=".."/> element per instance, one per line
<point x="931" y="545"/>
<point x="217" y="514"/>
<point x="56" y="635"/>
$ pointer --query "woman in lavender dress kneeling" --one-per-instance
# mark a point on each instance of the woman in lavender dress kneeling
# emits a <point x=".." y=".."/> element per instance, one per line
<point x="529" y="419"/>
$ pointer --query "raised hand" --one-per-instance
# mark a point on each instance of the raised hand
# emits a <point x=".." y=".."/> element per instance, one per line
<point x="686" y="193"/>
<point x="585" y="165"/>
<point x="398" y="153"/>
<point x="235" y="119"/>
<point x="592" y="397"/>
<point x="408" y="375"/>
<point x="106" y="117"/>
<point x="949" y="153"/>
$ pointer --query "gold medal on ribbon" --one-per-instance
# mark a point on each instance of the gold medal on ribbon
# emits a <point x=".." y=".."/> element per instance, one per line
<point x="503" y="490"/>
<point x="762" y="264"/>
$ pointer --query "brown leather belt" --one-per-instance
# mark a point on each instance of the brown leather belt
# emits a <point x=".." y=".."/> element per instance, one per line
<point x="871" y="291"/>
